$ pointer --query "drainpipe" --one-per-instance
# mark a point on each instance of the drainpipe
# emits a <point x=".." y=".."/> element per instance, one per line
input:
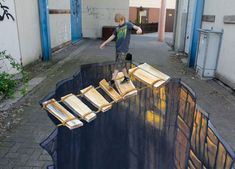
<point x="162" y="22"/>
<point x="18" y="34"/>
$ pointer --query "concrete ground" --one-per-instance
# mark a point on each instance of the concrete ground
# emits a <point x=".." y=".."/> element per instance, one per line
<point x="19" y="147"/>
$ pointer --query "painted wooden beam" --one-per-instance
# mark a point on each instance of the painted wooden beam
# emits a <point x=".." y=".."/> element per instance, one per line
<point x="208" y="18"/>
<point x="229" y="19"/>
<point x="45" y="30"/>
<point x="59" y="11"/>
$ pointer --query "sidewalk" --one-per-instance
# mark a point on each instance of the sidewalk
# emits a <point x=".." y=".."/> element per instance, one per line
<point x="19" y="148"/>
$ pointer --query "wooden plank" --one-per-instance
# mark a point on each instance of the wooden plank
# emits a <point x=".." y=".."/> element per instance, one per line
<point x="146" y="67"/>
<point x="82" y="110"/>
<point x="145" y="77"/>
<point x="92" y="95"/>
<point x="65" y="117"/>
<point x="110" y="91"/>
<point x="126" y="89"/>
<point x="156" y="85"/>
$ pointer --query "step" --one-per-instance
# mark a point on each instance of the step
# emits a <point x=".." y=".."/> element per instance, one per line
<point x="93" y="96"/>
<point x="110" y="90"/>
<point x="148" y="68"/>
<point x="126" y="89"/>
<point x="145" y="77"/>
<point x="65" y="117"/>
<point x="78" y="107"/>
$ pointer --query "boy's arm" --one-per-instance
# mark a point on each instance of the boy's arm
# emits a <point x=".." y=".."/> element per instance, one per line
<point x="112" y="37"/>
<point x="138" y="29"/>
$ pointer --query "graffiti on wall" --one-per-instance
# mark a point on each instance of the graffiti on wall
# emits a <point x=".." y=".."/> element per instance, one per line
<point x="4" y="12"/>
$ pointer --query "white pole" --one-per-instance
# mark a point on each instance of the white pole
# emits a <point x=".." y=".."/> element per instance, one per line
<point x="162" y="21"/>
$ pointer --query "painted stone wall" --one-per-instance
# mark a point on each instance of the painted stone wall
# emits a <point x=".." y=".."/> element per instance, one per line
<point x="180" y="27"/>
<point x="60" y="24"/>
<point x="29" y="30"/>
<point x="9" y="39"/>
<point x="226" y="68"/>
<point x="96" y="14"/>
<point x="20" y="31"/>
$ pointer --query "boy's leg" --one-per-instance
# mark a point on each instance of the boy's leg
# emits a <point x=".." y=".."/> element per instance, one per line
<point x="114" y="76"/>
<point x="126" y="76"/>
<point x="120" y="65"/>
<point x="124" y="71"/>
<point x="115" y="73"/>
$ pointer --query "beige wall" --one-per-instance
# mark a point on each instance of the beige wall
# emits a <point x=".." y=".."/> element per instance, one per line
<point x="59" y="4"/>
<point x="96" y="14"/>
<point x="180" y="27"/>
<point x="22" y="37"/>
<point x="29" y="30"/>
<point x="9" y="38"/>
<point x="60" y="24"/>
<point x="226" y="68"/>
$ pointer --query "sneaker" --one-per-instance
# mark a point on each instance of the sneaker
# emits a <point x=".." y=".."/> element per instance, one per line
<point x="111" y="83"/>
<point x="125" y="80"/>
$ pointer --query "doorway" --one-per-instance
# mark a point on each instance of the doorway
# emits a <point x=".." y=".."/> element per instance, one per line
<point x="54" y="31"/>
<point x="76" y="20"/>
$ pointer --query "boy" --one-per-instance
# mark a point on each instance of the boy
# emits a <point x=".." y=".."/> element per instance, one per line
<point x="123" y="34"/>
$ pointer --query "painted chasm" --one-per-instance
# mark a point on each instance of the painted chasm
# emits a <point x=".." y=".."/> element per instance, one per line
<point x="161" y="128"/>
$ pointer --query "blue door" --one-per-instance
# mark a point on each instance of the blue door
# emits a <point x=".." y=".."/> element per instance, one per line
<point x="76" y="20"/>
<point x="197" y="25"/>
<point x="45" y="30"/>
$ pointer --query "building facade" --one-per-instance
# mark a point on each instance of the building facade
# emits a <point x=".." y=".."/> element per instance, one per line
<point x="33" y="29"/>
<point x="193" y="15"/>
<point x="144" y="12"/>
<point x="19" y="31"/>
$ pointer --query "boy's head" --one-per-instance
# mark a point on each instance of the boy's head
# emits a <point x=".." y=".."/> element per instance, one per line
<point x="120" y="19"/>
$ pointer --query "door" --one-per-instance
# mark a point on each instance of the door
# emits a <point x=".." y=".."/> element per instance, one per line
<point x="170" y="15"/>
<point x="76" y="20"/>
<point x="189" y="29"/>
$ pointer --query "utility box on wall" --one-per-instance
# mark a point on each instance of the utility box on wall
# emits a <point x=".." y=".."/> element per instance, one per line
<point x="208" y="52"/>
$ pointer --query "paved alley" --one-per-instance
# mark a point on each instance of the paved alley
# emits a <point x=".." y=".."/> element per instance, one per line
<point x="19" y="147"/>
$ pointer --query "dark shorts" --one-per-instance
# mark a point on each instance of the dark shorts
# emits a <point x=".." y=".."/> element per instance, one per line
<point x="120" y="61"/>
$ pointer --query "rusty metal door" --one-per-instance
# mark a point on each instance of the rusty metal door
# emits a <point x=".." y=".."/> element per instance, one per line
<point x="170" y="16"/>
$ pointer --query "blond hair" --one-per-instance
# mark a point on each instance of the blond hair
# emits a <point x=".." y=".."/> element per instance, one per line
<point x="119" y="17"/>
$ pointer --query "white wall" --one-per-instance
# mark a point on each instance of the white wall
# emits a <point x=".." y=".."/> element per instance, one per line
<point x="60" y="24"/>
<point x="9" y="39"/>
<point x="226" y="68"/>
<point x="180" y="28"/>
<point x="152" y="3"/>
<point x="190" y="25"/>
<point x="96" y="14"/>
<point x="29" y="30"/>
<point x="60" y="29"/>
<point x="59" y="4"/>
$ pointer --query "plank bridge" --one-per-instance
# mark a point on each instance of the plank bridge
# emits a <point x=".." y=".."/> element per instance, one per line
<point x="77" y="111"/>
